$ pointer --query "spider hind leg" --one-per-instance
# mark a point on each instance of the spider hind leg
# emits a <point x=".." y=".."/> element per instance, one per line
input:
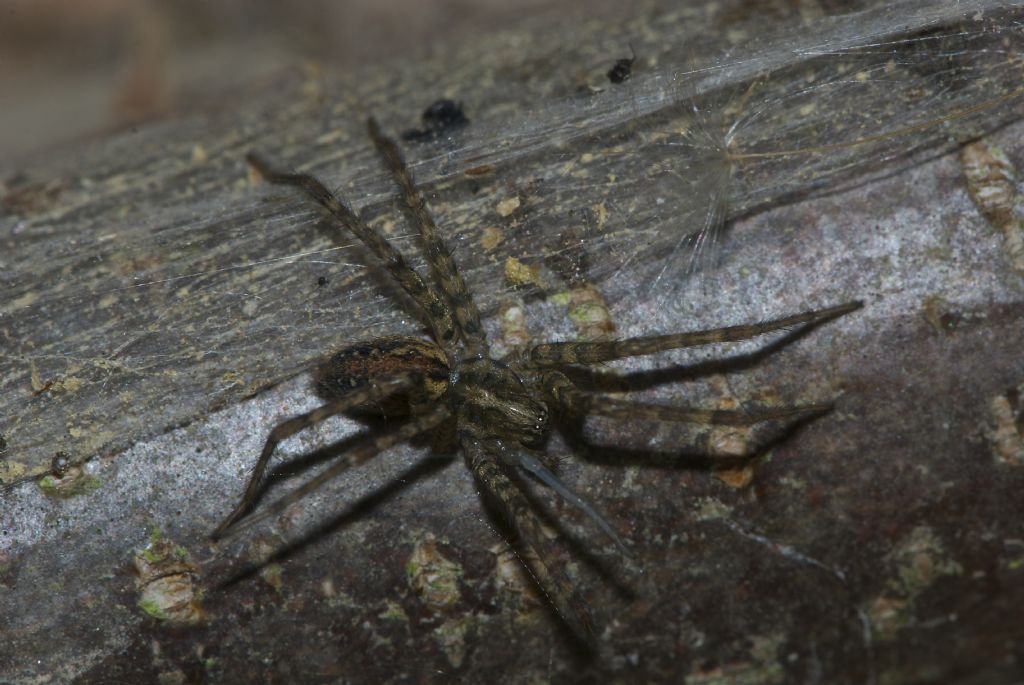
<point x="570" y="606"/>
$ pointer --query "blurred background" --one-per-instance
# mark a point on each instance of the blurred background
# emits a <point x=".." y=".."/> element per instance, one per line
<point x="70" y="69"/>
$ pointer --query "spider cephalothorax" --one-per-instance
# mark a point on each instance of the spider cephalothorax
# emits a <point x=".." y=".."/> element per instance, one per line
<point x="501" y="408"/>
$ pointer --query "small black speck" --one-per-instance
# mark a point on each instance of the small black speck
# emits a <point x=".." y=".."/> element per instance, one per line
<point x="440" y="117"/>
<point x="322" y="281"/>
<point x="622" y="70"/>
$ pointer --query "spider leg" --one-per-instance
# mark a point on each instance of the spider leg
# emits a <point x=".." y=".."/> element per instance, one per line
<point x="438" y="256"/>
<point x="289" y="427"/>
<point x="438" y="314"/>
<point x="554" y="354"/>
<point x="571" y="607"/>
<point x="357" y="455"/>
<point x="579" y="403"/>
<point x="531" y="464"/>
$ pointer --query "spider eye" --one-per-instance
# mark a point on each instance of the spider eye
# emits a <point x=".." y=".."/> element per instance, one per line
<point x="540" y="422"/>
<point x="542" y="419"/>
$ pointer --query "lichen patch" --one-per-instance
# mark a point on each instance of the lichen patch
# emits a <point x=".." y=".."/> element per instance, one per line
<point x="167" y="581"/>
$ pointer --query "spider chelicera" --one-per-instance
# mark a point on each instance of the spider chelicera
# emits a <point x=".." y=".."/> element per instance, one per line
<point x="501" y="409"/>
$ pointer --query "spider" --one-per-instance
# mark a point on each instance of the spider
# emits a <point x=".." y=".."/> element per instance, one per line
<point x="501" y="409"/>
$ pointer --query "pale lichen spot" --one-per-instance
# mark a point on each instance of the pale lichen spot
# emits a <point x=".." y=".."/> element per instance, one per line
<point x="167" y="581"/>
<point x="919" y="560"/>
<point x="35" y="381"/>
<point x="432" y="576"/>
<point x="992" y="184"/>
<point x="25" y="300"/>
<point x="508" y="206"/>
<point x="517" y="273"/>
<point x="451" y="638"/>
<point x="710" y="509"/>
<point x="199" y="154"/>
<point x="491" y="237"/>
<point x="1007" y="436"/>
<point x="393" y="611"/>
<point x="589" y="313"/>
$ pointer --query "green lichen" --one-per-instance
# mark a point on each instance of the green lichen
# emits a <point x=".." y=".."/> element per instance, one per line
<point x="451" y="638"/>
<point x="710" y="509"/>
<point x="12" y="470"/>
<point x="166" y="581"/>
<point x="74" y="484"/>
<point x="153" y="608"/>
<point x="271" y="575"/>
<point x="587" y="312"/>
<point x="433" y="577"/>
<point x="393" y="611"/>
<point x="155" y="550"/>
<point x="888" y="615"/>
<point x="561" y="298"/>
<point x="920" y="559"/>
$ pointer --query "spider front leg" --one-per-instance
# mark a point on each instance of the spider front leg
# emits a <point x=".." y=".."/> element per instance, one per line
<point x="556" y="354"/>
<point x="442" y="265"/>
<point x="435" y="311"/>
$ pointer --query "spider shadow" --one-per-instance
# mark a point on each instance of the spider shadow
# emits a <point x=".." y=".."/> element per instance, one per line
<point x="690" y="457"/>
<point x="355" y="511"/>
<point x="765" y="436"/>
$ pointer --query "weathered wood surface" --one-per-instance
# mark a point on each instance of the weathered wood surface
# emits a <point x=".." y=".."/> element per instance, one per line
<point x="880" y="544"/>
<point x="149" y="278"/>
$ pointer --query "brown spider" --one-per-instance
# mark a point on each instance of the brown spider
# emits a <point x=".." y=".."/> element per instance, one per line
<point x="501" y="409"/>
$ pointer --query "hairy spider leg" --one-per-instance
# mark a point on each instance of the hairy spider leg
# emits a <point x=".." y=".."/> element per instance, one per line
<point x="438" y="315"/>
<point x="576" y="402"/>
<point x="439" y="257"/>
<point x="516" y="509"/>
<point x="555" y="354"/>
<point x="353" y="457"/>
<point x="373" y="393"/>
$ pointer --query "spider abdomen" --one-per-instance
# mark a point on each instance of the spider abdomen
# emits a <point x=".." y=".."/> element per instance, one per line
<point x="359" y="365"/>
